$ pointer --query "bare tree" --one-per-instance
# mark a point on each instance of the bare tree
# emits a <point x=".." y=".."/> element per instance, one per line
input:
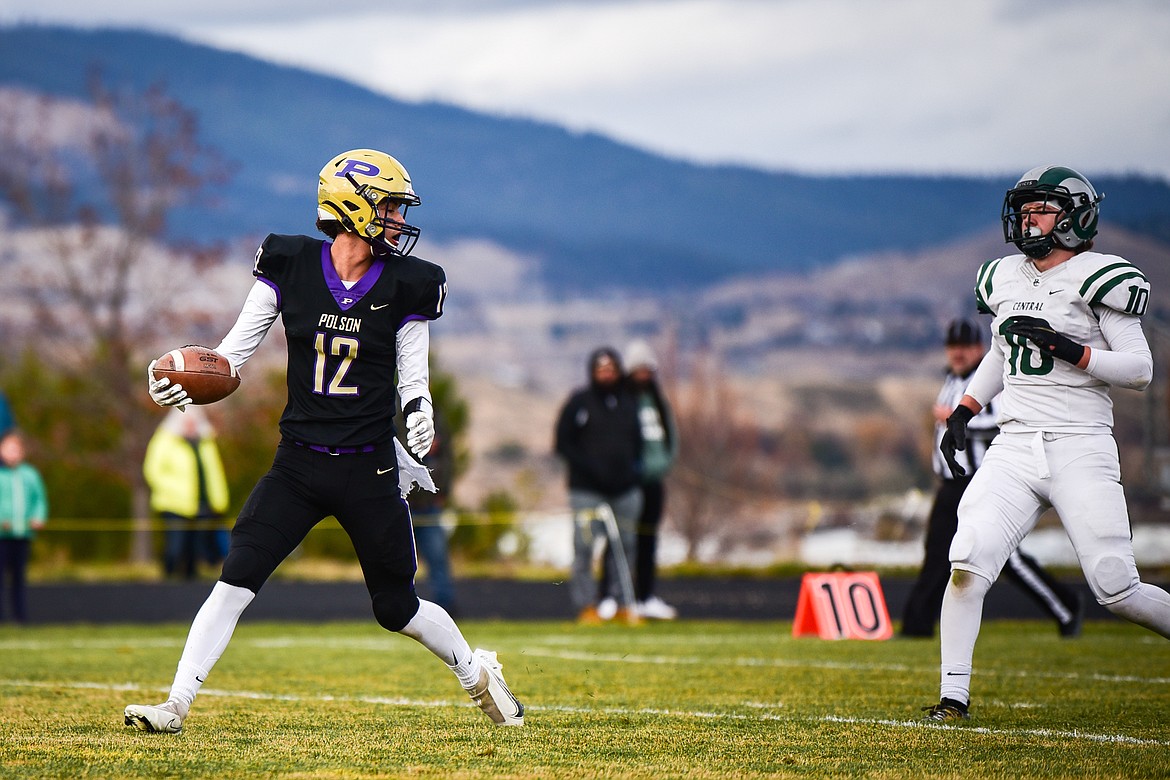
<point x="91" y="185"/>
<point x="716" y="450"/>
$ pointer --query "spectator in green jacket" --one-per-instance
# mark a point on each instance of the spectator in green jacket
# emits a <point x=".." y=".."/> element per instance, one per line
<point x="188" y="489"/>
<point x="23" y="510"/>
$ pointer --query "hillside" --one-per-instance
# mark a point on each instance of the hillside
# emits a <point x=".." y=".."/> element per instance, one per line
<point x="850" y="347"/>
<point x="595" y="214"/>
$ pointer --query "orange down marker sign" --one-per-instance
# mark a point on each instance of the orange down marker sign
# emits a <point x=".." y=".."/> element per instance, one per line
<point x="842" y="605"/>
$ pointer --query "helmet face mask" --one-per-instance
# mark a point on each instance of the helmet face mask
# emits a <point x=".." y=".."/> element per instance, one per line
<point x="1055" y="189"/>
<point x="368" y="193"/>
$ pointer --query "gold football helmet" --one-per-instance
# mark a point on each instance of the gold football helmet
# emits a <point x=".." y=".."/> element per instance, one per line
<point x="353" y="189"/>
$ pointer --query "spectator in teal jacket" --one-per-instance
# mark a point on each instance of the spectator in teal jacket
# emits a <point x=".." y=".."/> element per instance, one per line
<point x="23" y="509"/>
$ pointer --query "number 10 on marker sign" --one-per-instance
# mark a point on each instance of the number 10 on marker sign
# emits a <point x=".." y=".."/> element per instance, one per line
<point x="842" y="605"/>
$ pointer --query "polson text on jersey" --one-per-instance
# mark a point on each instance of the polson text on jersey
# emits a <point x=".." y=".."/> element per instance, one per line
<point x="337" y="322"/>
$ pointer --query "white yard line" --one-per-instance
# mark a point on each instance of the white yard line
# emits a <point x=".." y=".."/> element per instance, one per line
<point x="621" y="711"/>
<point x="630" y="658"/>
<point x="391" y="643"/>
<point x="763" y="711"/>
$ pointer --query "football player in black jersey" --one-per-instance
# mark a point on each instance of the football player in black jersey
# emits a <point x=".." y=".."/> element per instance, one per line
<point x="355" y="311"/>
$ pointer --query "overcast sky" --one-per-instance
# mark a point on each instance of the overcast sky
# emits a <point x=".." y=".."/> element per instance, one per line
<point x="958" y="86"/>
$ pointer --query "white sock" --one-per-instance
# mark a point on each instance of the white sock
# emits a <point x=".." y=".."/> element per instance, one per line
<point x="436" y="631"/>
<point x="962" y="611"/>
<point x="1148" y="605"/>
<point x="211" y="630"/>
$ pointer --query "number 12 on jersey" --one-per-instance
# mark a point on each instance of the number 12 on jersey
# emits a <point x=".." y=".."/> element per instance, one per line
<point x="345" y="347"/>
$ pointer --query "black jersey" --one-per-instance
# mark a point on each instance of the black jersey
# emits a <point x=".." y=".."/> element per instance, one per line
<point x="342" y="343"/>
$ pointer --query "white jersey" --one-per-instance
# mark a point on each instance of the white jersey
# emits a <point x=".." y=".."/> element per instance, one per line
<point x="1093" y="299"/>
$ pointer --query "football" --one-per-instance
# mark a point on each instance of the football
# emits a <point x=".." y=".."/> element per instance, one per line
<point x="204" y="373"/>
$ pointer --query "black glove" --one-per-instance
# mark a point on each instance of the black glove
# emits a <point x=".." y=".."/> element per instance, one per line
<point x="1040" y="333"/>
<point x="955" y="437"/>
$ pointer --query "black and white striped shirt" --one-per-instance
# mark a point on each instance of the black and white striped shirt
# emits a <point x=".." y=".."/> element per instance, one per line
<point x="980" y="430"/>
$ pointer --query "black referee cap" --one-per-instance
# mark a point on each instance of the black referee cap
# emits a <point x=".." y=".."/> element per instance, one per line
<point x="963" y="331"/>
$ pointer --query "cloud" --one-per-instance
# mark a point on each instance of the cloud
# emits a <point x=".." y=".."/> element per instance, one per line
<point x="818" y="85"/>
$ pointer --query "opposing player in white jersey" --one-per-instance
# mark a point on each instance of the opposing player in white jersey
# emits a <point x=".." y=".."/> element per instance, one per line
<point x="1067" y="326"/>
<point x="964" y="350"/>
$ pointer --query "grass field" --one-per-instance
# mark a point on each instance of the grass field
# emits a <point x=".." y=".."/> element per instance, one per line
<point x="691" y="699"/>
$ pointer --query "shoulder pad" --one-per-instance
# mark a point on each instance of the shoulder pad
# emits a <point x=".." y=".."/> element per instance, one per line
<point x="984" y="284"/>
<point x="1114" y="282"/>
<point x="427" y="285"/>
<point x="277" y="250"/>
<point x="416" y="267"/>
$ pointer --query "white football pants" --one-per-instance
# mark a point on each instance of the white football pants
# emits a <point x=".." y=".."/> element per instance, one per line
<point x="1022" y="475"/>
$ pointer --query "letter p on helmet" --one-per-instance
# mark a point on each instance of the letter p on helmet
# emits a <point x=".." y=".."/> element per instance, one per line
<point x="359" y="167"/>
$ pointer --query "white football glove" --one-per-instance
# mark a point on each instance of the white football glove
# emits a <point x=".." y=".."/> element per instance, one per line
<point x="420" y="432"/>
<point x="163" y="393"/>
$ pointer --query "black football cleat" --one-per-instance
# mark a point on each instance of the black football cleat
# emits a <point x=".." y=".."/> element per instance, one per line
<point x="946" y="711"/>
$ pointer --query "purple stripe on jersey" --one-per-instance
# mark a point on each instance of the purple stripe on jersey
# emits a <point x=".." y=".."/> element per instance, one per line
<point x="412" y="318"/>
<point x="274" y="287"/>
<point x="347" y="298"/>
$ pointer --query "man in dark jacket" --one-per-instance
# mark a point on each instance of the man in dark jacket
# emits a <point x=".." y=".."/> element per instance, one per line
<point x="600" y="437"/>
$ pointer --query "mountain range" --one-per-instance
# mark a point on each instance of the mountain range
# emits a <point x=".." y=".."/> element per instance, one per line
<point x="595" y="213"/>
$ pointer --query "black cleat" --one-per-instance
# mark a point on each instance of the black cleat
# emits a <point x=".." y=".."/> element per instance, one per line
<point x="946" y="711"/>
<point x="1072" y="629"/>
